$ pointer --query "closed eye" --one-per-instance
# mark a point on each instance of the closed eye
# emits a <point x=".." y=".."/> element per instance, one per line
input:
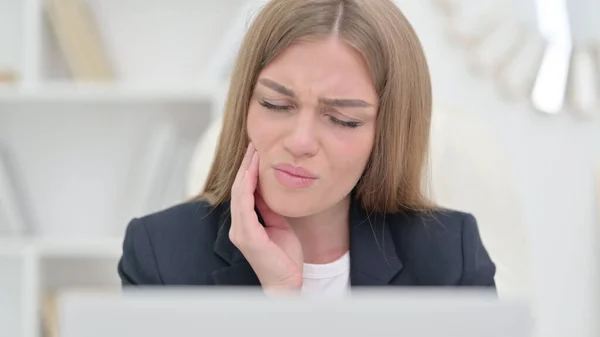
<point x="273" y="106"/>
<point x="348" y="124"/>
<point x="336" y="121"/>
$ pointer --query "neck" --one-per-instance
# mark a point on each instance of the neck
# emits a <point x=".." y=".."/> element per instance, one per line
<point x="324" y="236"/>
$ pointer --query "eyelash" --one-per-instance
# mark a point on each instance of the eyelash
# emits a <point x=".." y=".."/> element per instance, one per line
<point x="274" y="107"/>
<point x="334" y="120"/>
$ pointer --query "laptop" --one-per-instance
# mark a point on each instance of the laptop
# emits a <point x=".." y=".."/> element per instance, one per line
<point x="229" y="312"/>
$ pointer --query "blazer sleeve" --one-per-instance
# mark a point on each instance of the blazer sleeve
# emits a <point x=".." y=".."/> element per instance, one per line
<point x="137" y="265"/>
<point x="478" y="268"/>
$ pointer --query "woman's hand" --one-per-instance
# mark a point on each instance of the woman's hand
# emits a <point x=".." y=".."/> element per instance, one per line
<point x="273" y="251"/>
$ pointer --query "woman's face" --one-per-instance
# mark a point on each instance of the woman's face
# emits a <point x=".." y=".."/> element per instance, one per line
<point x="312" y="121"/>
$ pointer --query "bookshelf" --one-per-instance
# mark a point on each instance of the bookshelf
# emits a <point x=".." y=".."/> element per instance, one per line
<point x="93" y="146"/>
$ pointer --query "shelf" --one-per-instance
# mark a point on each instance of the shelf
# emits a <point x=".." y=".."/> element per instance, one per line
<point x="127" y="141"/>
<point x="109" y="93"/>
<point x="62" y="248"/>
<point x="57" y="248"/>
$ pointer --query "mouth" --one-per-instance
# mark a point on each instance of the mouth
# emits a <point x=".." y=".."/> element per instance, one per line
<point x="294" y="176"/>
<point x="296" y="171"/>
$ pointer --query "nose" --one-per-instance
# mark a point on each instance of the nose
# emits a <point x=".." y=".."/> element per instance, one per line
<point x="301" y="140"/>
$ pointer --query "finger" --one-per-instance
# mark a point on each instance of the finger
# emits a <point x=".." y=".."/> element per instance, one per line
<point x="243" y="167"/>
<point x="248" y="186"/>
<point x="247" y="157"/>
<point x="246" y="198"/>
<point x="253" y="167"/>
<point x="235" y="209"/>
<point x="237" y="183"/>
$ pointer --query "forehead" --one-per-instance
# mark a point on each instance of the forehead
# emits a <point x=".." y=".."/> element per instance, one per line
<point x="326" y="66"/>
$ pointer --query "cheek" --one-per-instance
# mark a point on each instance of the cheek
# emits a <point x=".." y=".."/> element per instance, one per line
<point x="351" y="155"/>
<point x="257" y="126"/>
<point x="262" y="131"/>
<point x="252" y="123"/>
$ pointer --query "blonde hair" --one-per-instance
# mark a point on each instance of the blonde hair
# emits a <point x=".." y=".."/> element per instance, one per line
<point x="393" y="179"/>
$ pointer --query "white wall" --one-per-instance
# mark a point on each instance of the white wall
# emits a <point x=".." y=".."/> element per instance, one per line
<point x="553" y="159"/>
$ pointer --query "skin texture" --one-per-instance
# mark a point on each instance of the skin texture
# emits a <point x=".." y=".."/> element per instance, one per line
<point x="314" y="107"/>
<point x="274" y="251"/>
<point x="307" y="133"/>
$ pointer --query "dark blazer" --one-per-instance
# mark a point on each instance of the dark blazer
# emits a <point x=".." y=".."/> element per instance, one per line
<point x="188" y="244"/>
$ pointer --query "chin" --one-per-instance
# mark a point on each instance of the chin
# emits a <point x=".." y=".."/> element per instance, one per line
<point x="289" y="206"/>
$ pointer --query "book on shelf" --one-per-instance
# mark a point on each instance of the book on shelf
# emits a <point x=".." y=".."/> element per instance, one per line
<point x="50" y="316"/>
<point x="79" y="39"/>
<point x="7" y="76"/>
<point x="52" y="304"/>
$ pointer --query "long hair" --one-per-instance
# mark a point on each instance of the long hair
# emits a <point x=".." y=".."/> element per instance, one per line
<point x="394" y="178"/>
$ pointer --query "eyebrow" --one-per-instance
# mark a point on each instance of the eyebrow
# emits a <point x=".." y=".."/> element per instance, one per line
<point x="345" y="103"/>
<point x="277" y="87"/>
<point x="333" y="102"/>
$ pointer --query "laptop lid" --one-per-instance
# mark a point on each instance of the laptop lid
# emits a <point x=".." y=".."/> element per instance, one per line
<point x="191" y="312"/>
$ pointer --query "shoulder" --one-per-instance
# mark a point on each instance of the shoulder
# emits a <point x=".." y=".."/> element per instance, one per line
<point x="439" y="224"/>
<point x="185" y="219"/>
<point x="443" y="243"/>
<point x="169" y="246"/>
<point x="443" y="227"/>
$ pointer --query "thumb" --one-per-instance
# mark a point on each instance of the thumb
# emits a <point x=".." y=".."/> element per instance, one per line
<point x="271" y="218"/>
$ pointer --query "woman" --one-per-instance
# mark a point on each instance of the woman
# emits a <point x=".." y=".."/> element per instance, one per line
<point x="317" y="181"/>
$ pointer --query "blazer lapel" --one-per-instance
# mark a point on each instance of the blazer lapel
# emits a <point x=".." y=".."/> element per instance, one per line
<point x="373" y="257"/>
<point x="238" y="272"/>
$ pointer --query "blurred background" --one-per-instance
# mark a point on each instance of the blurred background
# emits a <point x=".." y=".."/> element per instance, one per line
<point x="110" y="110"/>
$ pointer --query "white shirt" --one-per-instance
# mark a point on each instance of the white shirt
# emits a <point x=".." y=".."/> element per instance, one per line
<point x="330" y="280"/>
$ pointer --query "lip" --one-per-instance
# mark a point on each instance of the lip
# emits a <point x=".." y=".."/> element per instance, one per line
<point x="296" y="171"/>
<point x="293" y="176"/>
